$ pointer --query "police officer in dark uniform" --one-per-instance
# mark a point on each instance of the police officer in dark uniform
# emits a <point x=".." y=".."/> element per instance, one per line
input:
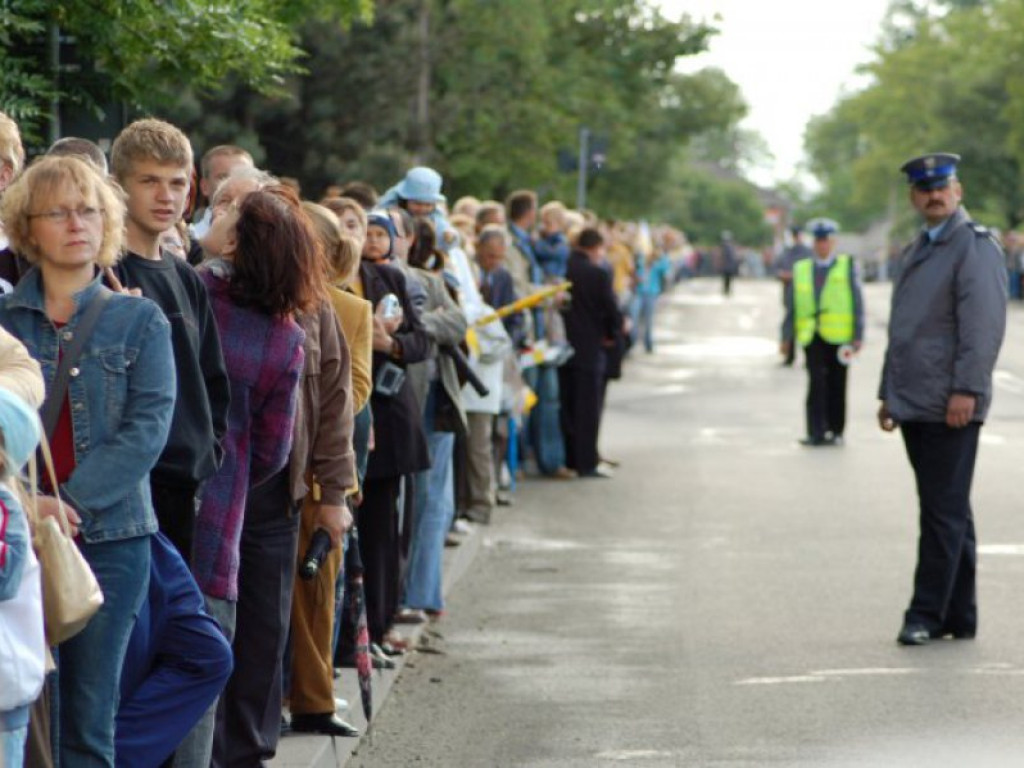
<point x="798" y="251"/>
<point x="945" y="330"/>
<point x="825" y="315"/>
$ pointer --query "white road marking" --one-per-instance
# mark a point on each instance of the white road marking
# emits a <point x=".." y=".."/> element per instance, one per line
<point x="1001" y="549"/>
<point x="632" y="754"/>
<point x="1009" y="382"/>
<point x="783" y="680"/>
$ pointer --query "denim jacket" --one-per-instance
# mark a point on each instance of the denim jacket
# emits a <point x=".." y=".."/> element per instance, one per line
<point x="121" y="401"/>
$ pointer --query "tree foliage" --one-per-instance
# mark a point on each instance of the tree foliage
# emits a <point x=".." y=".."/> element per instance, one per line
<point x="143" y="51"/>
<point x="492" y="95"/>
<point x="510" y="86"/>
<point x="943" y="78"/>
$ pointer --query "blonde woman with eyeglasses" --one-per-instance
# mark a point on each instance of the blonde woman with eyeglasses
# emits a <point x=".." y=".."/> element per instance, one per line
<point x="109" y="426"/>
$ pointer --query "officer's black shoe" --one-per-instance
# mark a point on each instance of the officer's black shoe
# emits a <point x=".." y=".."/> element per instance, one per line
<point x="914" y="634"/>
<point x="328" y="724"/>
<point x="958" y="633"/>
<point x="815" y="442"/>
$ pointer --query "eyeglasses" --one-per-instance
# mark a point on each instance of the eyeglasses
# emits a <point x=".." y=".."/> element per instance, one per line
<point x="63" y="215"/>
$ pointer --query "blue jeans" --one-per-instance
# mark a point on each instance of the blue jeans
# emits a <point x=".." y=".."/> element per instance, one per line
<point x="12" y="747"/>
<point x="544" y="426"/>
<point x="90" y="663"/>
<point x="435" y="509"/>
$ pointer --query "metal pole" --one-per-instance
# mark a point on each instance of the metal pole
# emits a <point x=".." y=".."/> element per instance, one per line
<point x="581" y="183"/>
<point x="53" y="44"/>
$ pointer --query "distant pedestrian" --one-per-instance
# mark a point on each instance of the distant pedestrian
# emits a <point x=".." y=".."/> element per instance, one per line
<point x="825" y="316"/>
<point x="945" y="330"/>
<point x="729" y="263"/>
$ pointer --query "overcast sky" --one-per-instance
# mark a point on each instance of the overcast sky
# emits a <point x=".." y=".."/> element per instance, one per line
<point x="791" y="58"/>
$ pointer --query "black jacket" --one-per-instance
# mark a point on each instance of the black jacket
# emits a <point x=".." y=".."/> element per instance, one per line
<point x="193" y="450"/>
<point x="400" y="445"/>
<point x="593" y="319"/>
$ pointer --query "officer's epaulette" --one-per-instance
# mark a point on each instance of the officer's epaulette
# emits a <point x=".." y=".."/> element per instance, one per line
<point x="986" y="233"/>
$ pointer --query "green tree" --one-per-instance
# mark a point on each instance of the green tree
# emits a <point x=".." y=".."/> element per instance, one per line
<point x="144" y="50"/>
<point x="950" y="82"/>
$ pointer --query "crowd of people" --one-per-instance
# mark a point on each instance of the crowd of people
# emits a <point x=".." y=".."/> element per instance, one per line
<point x="236" y="387"/>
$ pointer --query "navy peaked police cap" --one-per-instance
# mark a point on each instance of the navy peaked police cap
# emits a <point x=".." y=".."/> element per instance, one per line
<point x="822" y="228"/>
<point x="931" y="171"/>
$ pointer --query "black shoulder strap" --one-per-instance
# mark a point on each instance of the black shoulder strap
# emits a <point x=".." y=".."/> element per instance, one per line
<point x="50" y="411"/>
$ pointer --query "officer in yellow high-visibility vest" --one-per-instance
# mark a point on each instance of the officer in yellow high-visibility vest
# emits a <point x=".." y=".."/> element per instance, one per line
<point x="825" y="315"/>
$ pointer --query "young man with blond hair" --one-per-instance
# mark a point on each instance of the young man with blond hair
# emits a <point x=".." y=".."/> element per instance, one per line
<point x="152" y="160"/>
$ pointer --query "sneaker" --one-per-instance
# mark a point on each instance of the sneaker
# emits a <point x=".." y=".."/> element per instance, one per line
<point x="463" y="526"/>
<point x="340" y="705"/>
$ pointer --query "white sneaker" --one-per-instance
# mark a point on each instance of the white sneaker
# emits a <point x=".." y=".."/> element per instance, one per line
<point x="462" y="526"/>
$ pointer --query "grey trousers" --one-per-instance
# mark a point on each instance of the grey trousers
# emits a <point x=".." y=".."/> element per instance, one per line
<point x="480" y="467"/>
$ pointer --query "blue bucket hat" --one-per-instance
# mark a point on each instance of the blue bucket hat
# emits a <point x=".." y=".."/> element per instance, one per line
<point x="421" y="185"/>
<point x="21" y="430"/>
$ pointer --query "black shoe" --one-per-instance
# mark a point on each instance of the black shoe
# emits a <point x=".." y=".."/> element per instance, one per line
<point x="328" y="724"/>
<point x="812" y="442"/>
<point x="957" y="634"/>
<point x="914" y="634"/>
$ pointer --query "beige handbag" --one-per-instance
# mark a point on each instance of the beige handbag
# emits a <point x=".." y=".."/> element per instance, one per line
<point x="71" y="594"/>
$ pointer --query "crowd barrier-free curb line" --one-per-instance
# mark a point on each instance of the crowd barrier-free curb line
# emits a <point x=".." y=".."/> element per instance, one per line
<point x="315" y="751"/>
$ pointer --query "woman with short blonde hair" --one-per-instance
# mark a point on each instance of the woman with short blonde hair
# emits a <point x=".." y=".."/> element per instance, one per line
<point x="107" y="429"/>
<point x="27" y="203"/>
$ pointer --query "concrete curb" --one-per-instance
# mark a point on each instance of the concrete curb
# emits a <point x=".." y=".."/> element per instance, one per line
<point x="314" y="751"/>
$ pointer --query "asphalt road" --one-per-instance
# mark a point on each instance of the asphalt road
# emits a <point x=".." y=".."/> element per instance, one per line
<point x="729" y="598"/>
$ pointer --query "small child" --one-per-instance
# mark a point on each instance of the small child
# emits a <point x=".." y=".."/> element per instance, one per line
<point x="552" y="247"/>
<point x="22" y="643"/>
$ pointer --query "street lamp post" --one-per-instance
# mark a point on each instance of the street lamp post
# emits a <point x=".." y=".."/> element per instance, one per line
<point x="581" y="182"/>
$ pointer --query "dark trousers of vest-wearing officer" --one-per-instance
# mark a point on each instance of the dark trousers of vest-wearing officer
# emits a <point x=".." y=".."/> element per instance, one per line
<point x="826" y="390"/>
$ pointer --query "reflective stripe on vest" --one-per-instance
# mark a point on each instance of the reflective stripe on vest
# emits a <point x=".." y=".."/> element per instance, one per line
<point x="834" y="320"/>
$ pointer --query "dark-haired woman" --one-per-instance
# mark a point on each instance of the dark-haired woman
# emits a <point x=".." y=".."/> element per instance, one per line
<point x="257" y="284"/>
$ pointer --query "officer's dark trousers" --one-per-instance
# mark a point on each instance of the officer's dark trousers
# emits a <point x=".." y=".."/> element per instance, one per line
<point x="582" y="394"/>
<point x="943" y="462"/>
<point x="249" y="714"/>
<point x="826" y="389"/>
